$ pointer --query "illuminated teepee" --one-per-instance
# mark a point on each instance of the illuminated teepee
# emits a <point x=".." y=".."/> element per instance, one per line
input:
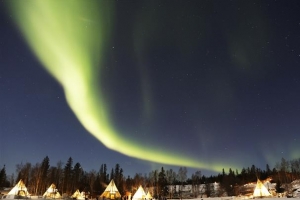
<point x="18" y="192"/>
<point x="260" y="190"/>
<point x="148" y="195"/>
<point x="111" y="191"/>
<point x="78" y="195"/>
<point x="139" y="194"/>
<point x="52" y="192"/>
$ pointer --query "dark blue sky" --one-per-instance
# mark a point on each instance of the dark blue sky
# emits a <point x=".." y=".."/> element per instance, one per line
<point x="215" y="81"/>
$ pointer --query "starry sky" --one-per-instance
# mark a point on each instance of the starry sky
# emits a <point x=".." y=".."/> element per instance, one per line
<point x="206" y="84"/>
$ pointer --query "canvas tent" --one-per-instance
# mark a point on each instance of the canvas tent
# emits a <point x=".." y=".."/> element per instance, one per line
<point x="148" y="195"/>
<point x="52" y="192"/>
<point x="18" y="192"/>
<point x="111" y="191"/>
<point x="139" y="194"/>
<point x="78" y="195"/>
<point x="260" y="190"/>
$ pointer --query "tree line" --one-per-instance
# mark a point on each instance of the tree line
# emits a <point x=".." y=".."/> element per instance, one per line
<point x="69" y="177"/>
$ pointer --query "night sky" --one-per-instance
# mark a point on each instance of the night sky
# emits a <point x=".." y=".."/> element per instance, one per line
<point x="205" y="84"/>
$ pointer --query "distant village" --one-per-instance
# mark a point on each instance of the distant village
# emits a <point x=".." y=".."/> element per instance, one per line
<point x="65" y="181"/>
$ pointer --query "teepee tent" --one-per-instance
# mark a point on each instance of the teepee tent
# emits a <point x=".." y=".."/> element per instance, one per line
<point x="52" y="192"/>
<point x="111" y="191"/>
<point x="78" y="195"/>
<point x="18" y="192"/>
<point x="139" y="194"/>
<point x="148" y="195"/>
<point x="260" y="190"/>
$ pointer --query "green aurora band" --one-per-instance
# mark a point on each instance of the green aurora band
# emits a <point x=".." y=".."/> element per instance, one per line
<point x="68" y="38"/>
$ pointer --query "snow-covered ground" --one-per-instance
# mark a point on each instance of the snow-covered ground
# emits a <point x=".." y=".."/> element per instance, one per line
<point x="293" y="191"/>
<point x="214" y="198"/>
<point x="235" y="198"/>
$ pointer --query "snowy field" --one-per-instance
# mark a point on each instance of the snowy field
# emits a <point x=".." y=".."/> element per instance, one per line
<point x="238" y="198"/>
<point x="214" y="198"/>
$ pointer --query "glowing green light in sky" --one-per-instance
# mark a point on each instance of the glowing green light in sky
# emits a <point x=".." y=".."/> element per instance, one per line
<point x="69" y="37"/>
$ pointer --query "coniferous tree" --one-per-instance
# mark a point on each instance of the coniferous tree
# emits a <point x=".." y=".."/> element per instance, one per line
<point x="3" y="177"/>
<point x="155" y="179"/>
<point x="228" y="182"/>
<point x="77" y="174"/>
<point x="67" y="173"/>
<point x="104" y="174"/>
<point x="112" y="174"/>
<point x="41" y="182"/>
<point x="268" y="170"/>
<point x="117" y="175"/>
<point x="162" y="183"/>
<point x="122" y="182"/>
<point x="102" y="179"/>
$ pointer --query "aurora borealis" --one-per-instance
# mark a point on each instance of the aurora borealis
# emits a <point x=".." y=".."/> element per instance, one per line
<point x="68" y="49"/>
<point x="203" y="84"/>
